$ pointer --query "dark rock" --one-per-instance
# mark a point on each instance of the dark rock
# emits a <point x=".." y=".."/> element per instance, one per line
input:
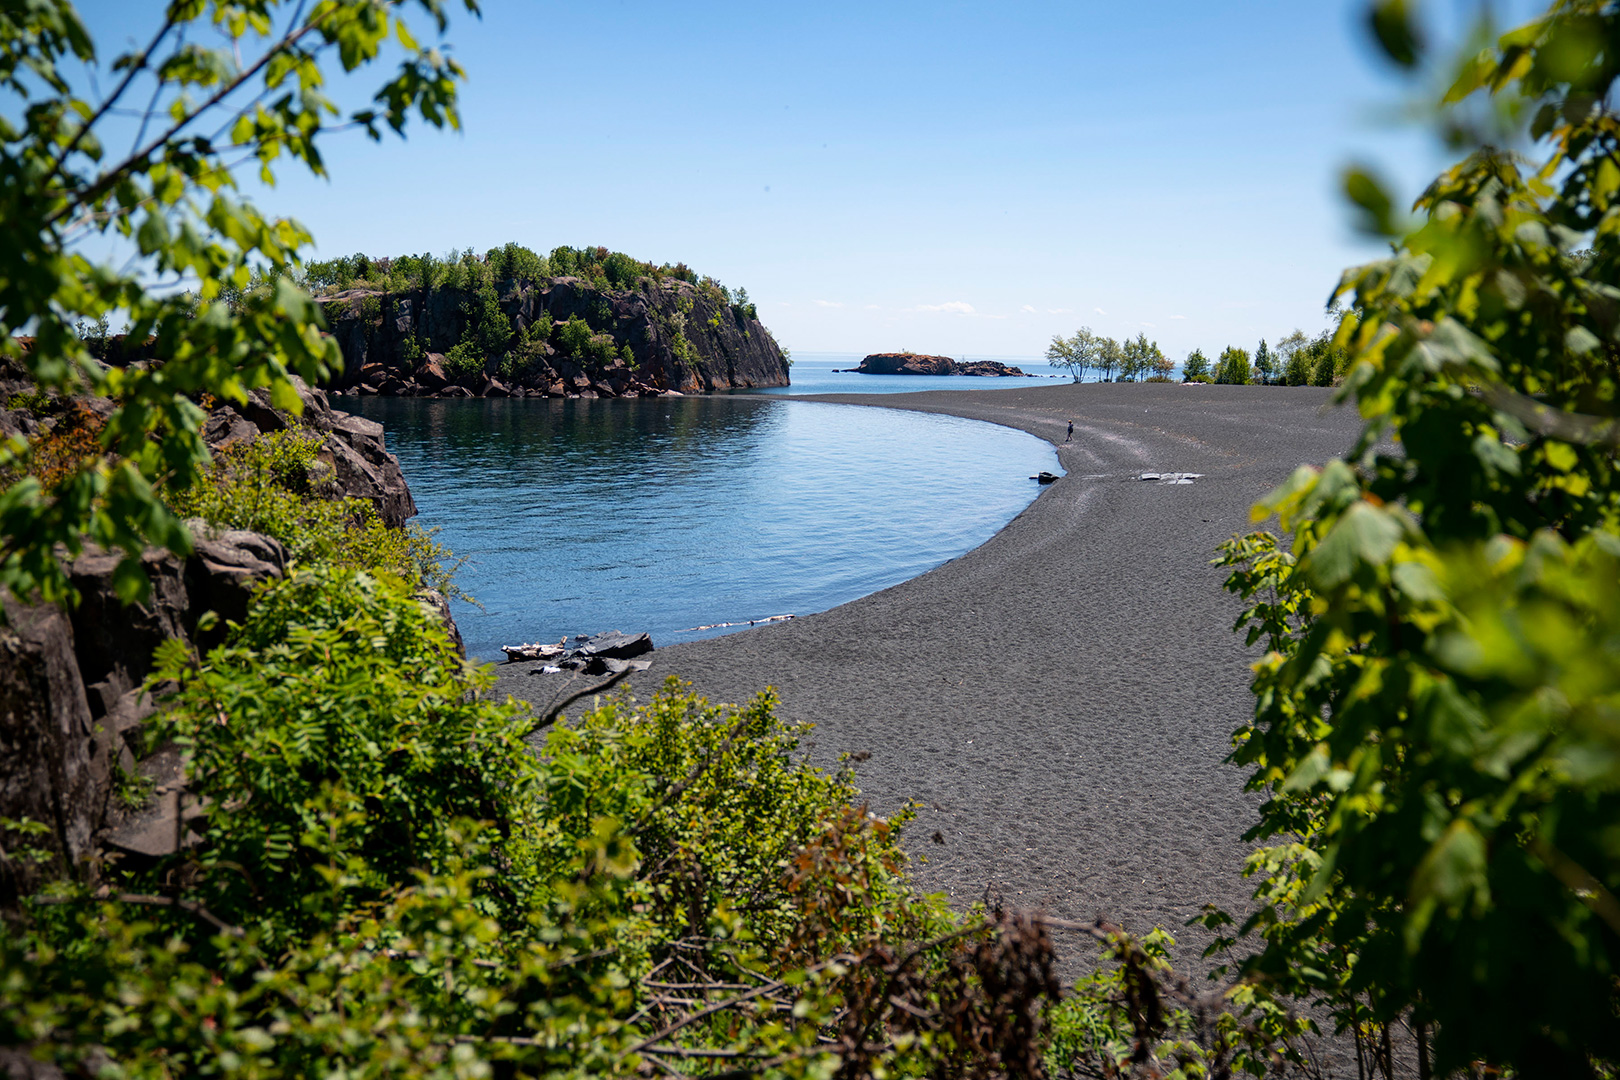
<point x="455" y="391"/>
<point x="16" y="1063"/>
<point x="53" y="757"/>
<point x="665" y="325"/>
<point x="163" y="825"/>
<point x="224" y="570"/>
<point x="430" y="372"/>
<point x="226" y="428"/>
<point x="114" y="643"/>
<point x="440" y="605"/>
<point x="614" y="644"/>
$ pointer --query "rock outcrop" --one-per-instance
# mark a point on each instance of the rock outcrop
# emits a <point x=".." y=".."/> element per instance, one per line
<point x="361" y="465"/>
<point x="71" y="704"/>
<point x="918" y="364"/>
<point x="666" y="336"/>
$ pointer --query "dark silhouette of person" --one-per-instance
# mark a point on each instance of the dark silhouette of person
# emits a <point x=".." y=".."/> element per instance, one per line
<point x="1071" y="432"/>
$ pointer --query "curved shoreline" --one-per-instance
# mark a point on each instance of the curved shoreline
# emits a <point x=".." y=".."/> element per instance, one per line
<point x="1060" y="698"/>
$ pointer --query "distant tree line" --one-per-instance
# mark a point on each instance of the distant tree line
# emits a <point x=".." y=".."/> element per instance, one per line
<point x="1134" y="360"/>
<point x="1296" y="360"/>
<point x="504" y="268"/>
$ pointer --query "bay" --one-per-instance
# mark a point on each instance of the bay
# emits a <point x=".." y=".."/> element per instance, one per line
<point x="670" y="514"/>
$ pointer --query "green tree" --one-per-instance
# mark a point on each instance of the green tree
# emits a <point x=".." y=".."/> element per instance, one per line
<point x="1110" y="357"/>
<point x="172" y="199"/>
<point x="1293" y="359"/>
<point x="1233" y="366"/>
<point x="1196" y="367"/>
<point x="1437" y="720"/>
<point x="1078" y="354"/>
<point x="1265" y="363"/>
<point x="1326" y="360"/>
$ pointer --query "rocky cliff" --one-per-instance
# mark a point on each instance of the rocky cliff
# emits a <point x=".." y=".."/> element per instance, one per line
<point x="918" y="364"/>
<point x="560" y="337"/>
<point x="72" y="706"/>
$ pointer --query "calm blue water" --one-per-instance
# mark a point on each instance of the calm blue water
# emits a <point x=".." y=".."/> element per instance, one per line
<point x="814" y="373"/>
<point x="666" y="514"/>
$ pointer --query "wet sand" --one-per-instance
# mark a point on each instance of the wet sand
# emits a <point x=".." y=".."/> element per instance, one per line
<point x="1060" y="699"/>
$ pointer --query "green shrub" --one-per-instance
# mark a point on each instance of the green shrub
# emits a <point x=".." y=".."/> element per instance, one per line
<point x="338" y="725"/>
<point x="663" y="883"/>
<point x="463" y="361"/>
<point x="277" y="485"/>
<point x="574" y="337"/>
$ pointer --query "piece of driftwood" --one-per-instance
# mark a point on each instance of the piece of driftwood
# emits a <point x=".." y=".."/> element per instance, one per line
<point x="535" y="651"/>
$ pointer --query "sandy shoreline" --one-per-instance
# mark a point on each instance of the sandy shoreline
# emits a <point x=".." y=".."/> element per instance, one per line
<point x="1061" y="698"/>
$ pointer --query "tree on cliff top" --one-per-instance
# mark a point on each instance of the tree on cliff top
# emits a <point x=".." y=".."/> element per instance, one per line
<point x="204" y="112"/>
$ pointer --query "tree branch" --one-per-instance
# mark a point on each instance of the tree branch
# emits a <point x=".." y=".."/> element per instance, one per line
<point x="129" y="76"/>
<point x="101" y="186"/>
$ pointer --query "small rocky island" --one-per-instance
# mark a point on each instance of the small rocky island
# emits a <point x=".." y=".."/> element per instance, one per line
<point x="905" y="363"/>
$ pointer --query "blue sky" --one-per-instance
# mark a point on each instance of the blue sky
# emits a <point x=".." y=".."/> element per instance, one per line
<point x="948" y="177"/>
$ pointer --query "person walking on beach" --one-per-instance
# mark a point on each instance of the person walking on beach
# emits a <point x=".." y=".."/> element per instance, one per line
<point x="1071" y="432"/>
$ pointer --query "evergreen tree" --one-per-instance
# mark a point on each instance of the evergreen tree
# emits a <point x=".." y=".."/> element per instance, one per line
<point x="1265" y="363"/>
<point x="1196" y="367"/>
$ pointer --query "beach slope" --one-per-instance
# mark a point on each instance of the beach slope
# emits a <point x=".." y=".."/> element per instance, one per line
<point x="1059" y="700"/>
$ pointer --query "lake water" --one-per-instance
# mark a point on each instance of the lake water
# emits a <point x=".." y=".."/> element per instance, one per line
<point x="668" y="514"/>
<point x="828" y="373"/>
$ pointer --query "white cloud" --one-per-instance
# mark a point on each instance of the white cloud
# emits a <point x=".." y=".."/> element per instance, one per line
<point x="1150" y="326"/>
<point x="828" y="303"/>
<point x="1174" y="317"/>
<point x="1027" y="308"/>
<point x="1099" y="311"/>
<point x="952" y="307"/>
<point x="873" y="307"/>
<point x="1060" y="311"/>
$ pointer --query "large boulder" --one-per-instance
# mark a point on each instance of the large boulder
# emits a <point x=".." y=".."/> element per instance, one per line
<point x="71" y="697"/>
<point x="53" y="758"/>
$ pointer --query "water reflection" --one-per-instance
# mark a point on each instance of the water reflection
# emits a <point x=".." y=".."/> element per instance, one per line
<point x="663" y="514"/>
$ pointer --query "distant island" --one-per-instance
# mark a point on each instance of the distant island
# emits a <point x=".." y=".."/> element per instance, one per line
<point x="585" y="322"/>
<point x="907" y="363"/>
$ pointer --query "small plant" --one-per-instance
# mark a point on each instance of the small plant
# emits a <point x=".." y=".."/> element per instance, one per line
<point x="131" y="790"/>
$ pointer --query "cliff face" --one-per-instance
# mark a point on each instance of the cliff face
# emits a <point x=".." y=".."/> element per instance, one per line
<point x="670" y="335"/>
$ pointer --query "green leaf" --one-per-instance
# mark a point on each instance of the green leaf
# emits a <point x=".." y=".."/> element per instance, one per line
<point x="1363" y="536"/>
<point x="1396" y="32"/>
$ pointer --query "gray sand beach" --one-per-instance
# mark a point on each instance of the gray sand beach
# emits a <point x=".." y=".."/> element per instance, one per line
<point x="1060" y="699"/>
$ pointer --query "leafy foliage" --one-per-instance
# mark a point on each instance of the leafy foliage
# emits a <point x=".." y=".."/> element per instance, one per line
<point x="1085" y="351"/>
<point x="1438" y="717"/>
<point x="662" y="882"/>
<point x="1233" y="366"/>
<point x="277" y="485"/>
<point x="172" y="199"/>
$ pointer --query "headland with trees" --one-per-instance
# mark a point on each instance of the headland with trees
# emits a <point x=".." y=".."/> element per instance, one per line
<point x="577" y="322"/>
<point x="371" y="874"/>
